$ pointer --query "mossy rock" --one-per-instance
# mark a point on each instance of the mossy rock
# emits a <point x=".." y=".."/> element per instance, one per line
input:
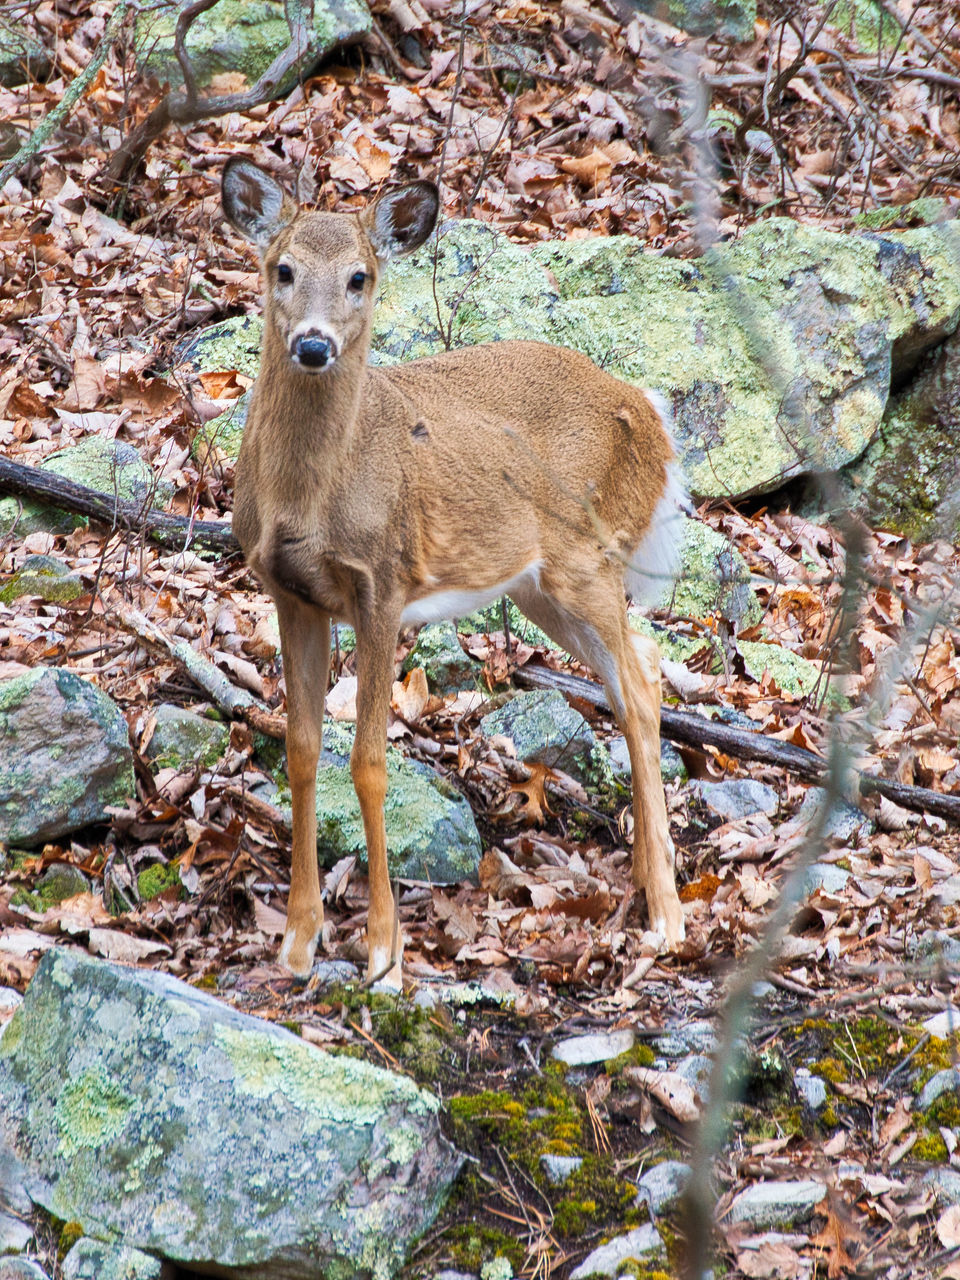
<point x="795" y="675"/>
<point x="445" y="664"/>
<point x="489" y="620"/>
<point x="43" y="576"/>
<point x="184" y="738"/>
<point x="713" y="580"/>
<point x="65" y="756"/>
<point x="733" y="18"/>
<point x="22" y="55"/>
<point x="545" y="729"/>
<point x="244" y="36"/>
<point x="112" y="467"/>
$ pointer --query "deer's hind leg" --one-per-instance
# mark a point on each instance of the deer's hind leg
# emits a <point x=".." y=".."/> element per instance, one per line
<point x="305" y="642"/>
<point x="589" y="619"/>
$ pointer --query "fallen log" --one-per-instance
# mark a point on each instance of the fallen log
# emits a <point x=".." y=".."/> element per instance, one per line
<point x="170" y="531"/>
<point x="697" y="731"/>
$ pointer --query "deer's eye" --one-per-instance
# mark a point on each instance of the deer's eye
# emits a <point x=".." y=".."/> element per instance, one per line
<point x="284" y="274"/>
<point x="357" y="281"/>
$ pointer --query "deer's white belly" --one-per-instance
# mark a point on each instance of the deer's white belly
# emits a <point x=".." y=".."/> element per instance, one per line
<point x="458" y="603"/>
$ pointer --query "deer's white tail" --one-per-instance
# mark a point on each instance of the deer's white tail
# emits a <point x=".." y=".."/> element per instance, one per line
<point x="653" y="566"/>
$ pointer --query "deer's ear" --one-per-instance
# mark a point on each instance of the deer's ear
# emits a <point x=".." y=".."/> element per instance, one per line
<point x="401" y="220"/>
<point x="254" y="203"/>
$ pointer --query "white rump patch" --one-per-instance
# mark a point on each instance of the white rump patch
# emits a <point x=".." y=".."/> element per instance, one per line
<point x="653" y="566"/>
<point x="457" y="604"/>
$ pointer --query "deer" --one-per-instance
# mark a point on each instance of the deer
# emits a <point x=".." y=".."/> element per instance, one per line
<point x="404" y="494"/>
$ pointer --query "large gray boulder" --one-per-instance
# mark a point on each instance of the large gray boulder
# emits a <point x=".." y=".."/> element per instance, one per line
<point x="244" y="36"/>
<point x="545" y="729"/>
<point x="64" y="756"/>
<point x="154" y="1115"/>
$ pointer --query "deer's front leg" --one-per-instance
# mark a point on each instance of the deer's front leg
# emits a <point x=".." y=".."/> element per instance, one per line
<point x="376" y="649"/>
<point x="305" y="642"/>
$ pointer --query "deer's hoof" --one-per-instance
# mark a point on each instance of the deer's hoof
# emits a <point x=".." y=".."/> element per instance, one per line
<point x="300" y="943"/>
<point x="666" y="918"/>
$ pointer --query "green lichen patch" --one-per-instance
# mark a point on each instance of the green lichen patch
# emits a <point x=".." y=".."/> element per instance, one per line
<point x="157" y="879"/>
<point x="45" y="577"/>
<point x="91" y="1111"/>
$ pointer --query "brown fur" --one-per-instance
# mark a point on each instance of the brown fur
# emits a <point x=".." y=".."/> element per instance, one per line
<point x="360" y="491"/>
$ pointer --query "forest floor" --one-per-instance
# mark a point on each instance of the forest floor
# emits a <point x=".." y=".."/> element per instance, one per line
<point x="549" y="120"/>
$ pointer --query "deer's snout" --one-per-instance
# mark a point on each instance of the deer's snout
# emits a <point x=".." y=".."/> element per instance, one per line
<point x="313" y="350"/>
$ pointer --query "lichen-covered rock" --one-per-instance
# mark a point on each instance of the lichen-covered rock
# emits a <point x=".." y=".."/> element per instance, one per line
<point x="642" y="1245"/>
<point x="64" y="755"/>
<point x="152" y="1114"/>
<point x="244" y="36"/>
<point x="776" y="350"/>
<point x="445" y="664"/>
<point x="713" y="579"/>
<point x="767" y="1205"/>
<point x="794" y="674"/>
<point x="662" y="1185"/>
<point x="908" y="480"/>
<point x="734" y="18"/>
<point x="431" y="832"/>
<point x="43" y="576"/>
<point x="672" y="768"/>
<point x="22" y="56"/>
<point x="545" y="729"/>
<point x="112" y="467"/>
<point x="737" y="798"/>
<point x="94" y="1260"/>
<point x="183" y="737"/>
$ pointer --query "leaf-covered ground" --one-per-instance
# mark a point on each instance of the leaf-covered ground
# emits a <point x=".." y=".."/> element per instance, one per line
<point x="551" y="120"/>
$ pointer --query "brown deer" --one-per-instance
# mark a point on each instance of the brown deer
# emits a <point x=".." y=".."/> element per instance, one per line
<point x="420" y="491"/>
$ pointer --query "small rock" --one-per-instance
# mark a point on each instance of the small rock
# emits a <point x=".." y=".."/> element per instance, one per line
<point x="15" y="1234"/>
<point x="944" y="1024"/>
<point x="559" y="1168"/>
<point x="94" y="1260"/>
<point x="663" y="1185"/>
<point x="678" y="1042"/>
<point x="66" y="755"/>
<point x="43" y="576"/>
<point x="945" y="1182"/>
<point x="823" y="877"/>
<point x="10" y="1002"/>
<point x="947" y="892"/>
<point x="182" y="737"/>
<point x="445" y="664"/>
<point x="13" y="1195"/>
<point x="545" y="729"/>
<point x="62" y="880"/>
<point x="696" y="1069"/>
<point x="946" y="1081"/>
<point x="768" y="1205"/>
<point x="639" y="1245"/>
<point x="811" y="1088"/>
<point x="737" y="798"/>
<point x="844" y="821"/>
<point x="671" y="761"/>
<point x="21" y="1269"/>
<point x="498" y="1268"/>
<point x="583" y="1051"/>
<point x="454" y="1275"/>
<point x="935" y="945"/>
<point x="22" y="55"/>
<point x="331" y="973"/>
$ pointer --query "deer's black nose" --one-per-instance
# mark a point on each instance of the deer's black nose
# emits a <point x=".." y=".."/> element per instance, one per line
<point x="313" y="350"/>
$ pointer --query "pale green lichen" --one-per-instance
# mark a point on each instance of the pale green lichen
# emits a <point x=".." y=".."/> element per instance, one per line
<point x="795" y="675"/>
<point x="91" y="1112"/>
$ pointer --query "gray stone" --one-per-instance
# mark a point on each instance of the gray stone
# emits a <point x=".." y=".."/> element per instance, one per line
<point x="498" y="1268"/>
<point x="946" y="1081"/>
<point x="639" y="1245"/>
<point x="15" y="1234"/>
<point x="737" y="798"/>
<point x="245" y="36"/>
<point x="662" y="1185"/>
<point x="935" y="945"/>
<point x="22" y="55"/>
<point x="43" y="576"/>
<point x="793" y="674"/>
<point x="557" y="1169"/>
<point x="10" y="1001"/>
<point x="672" y="767"/>
<point x="13" y="1195"/>
<point x="811" y="1088"/>
<point x="696" y="1069"/>
<point x="545" y="729"/>
<point x="112" y="467"/>
<point x="445" y="664"/>
<point x="64" y="756"/>
<point x="824" y="877"/>
<point x="733" y="18"/>
<point x="331" y="973"/>
<point x="94" y="1260"/>
<point x="844" y="822"/>
<point x="767" y="1205"/>
<point x="945" y="1182"/>
<point x="697" y="1037"/>
<point x="21" y="1269"/>
<point x="601" y="1046"/>
<point x="127" y="1095"/>
<point x="183" y="737"/>
<point x="62" y="880"/>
